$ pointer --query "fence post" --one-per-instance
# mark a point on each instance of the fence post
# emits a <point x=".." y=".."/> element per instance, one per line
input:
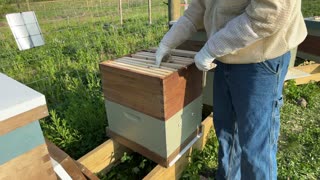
<point x="87" y="4"/>
<point x="174" y="9"/>
<point x="120" y="11"/>
<point x="149" y="11"/>
<point x="28" y="5"/>
<point x="18" y="3"/>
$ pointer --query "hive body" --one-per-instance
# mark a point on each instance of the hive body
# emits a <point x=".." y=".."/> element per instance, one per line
<point x="154" y="111"/>
<point x="23" y="152"/>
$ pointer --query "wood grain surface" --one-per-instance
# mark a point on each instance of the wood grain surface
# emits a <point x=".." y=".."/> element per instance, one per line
<point x="35" y="164"/>
<point x="161" y="92"/>
<point x="23" y="119"/>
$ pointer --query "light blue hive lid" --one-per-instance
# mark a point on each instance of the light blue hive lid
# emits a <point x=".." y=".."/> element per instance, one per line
<point x="17" y="98"/>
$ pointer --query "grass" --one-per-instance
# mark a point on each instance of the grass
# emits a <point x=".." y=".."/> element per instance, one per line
<point x="310" y="8"/>
<point x="79" y="35"/>
<point x="299" y="143"/>
<point x="66" y="70"/>
<point x="132" y="166"/>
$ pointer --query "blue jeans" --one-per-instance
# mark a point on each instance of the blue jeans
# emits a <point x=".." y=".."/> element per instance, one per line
<point x="246" y="106"/>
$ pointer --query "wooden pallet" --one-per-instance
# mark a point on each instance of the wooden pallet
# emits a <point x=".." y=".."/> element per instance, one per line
<point x="304" y="74"/>
<point x="66" y="167"/>
<point x="109" y="153"/>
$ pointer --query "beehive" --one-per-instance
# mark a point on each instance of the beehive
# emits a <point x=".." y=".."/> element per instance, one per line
<point x="309" y="48"/>
<point x="23" y="152"/>
<point x="154" y="111"/>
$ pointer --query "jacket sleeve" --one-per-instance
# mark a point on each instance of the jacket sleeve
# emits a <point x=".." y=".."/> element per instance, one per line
<point x="185" y="26"/>
<point x="195" y="13"/>
<point x="262" y="18"/>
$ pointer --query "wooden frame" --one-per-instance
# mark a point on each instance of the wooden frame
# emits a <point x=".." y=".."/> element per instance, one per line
<point x="109" y="153"/>
<point x="104" y="156"/>
<point x="74" y="169"/>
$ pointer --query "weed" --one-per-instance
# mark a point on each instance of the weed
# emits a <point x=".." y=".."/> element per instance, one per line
<point x="203" y="162"/>
<point x="308" y="91"/>
<point x="132" y="166"/>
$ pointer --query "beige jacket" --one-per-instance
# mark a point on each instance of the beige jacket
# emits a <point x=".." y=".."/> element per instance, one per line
<point x="248" y="31"/>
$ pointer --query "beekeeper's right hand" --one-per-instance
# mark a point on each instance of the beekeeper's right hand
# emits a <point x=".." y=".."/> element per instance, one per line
<point x="162" y="54"/>
<point x="178" y="33"/>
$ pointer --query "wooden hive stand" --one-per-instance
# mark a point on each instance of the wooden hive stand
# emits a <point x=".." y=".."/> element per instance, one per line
<point x="108" y="154"/>
<point x="304" y="74"/>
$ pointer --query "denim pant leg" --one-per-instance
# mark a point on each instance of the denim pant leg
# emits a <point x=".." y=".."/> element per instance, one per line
<point x="247" y="99"/>
<point x="225" y="127"/>
<point x="256" y="91"/>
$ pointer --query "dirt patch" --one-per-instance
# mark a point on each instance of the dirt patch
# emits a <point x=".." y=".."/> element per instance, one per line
<point x="3" y="24"/>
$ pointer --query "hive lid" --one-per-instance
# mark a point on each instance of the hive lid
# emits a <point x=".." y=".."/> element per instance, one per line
<point x="144" y="63"/>
<point x="17" y="98"/>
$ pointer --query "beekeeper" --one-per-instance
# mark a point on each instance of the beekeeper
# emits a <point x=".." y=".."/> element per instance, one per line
<point x="249" y="43"/>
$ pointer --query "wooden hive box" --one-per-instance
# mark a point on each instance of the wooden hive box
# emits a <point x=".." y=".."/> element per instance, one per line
<point x="310" y="47"/>
<point x="154" y="111"/>
<point x="23" y="152"/>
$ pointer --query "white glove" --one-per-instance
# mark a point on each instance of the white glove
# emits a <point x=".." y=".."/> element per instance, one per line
<point x="162" y="54"/>
<point x="179" y="32"/>
<point x="204" y="60"/>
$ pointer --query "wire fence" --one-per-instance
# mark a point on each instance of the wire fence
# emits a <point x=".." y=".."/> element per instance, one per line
<point x="94" y="28"/>
<point x="78" y="34"/>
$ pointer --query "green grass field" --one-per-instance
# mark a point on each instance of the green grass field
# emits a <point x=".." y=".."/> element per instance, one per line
<point x="79" y="35"/>
<point x="66" y="68"/>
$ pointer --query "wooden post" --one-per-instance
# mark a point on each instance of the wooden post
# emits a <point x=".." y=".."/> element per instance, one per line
<point x="174" y="9"/>
<point x="18" y="3"/>
<point x="149" y="12"/>
<point x="120" y="12"/>
<point x="87" y="4"/>
<point x="28" y="4"/>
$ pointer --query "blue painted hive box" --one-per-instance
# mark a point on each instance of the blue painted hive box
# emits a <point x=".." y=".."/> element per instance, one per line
<point x="23" y="151"/>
